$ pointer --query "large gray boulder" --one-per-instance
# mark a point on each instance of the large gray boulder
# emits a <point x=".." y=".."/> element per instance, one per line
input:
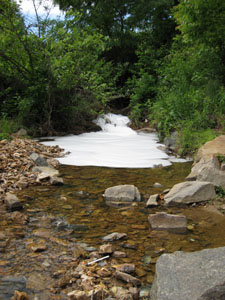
<point x="190" y="276"/>
<point x="190" y="192"/>
<point x="206" y="166"/>
<point x="163" y="221"/>
<point x="123" y="193"/>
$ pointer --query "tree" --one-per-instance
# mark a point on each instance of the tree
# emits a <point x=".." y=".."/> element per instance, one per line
<point x="54" y="74"/>
<point x="123" y="22"/>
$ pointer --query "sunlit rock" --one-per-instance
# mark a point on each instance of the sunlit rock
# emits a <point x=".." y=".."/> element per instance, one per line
<point x="153" y="201"/>
<point x="123" y="193"/>
<point x="114" y="237"/>
<point x="190" y="192"/>
<point x="189" y="276"/>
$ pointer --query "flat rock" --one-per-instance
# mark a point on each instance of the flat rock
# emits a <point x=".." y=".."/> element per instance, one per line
<point x="123" y="193"/>
<point x="190" y="276"/>
<point x="190" y="192"/>
<point x="114" y="236"/>
<point x="12" y="202"/>
<point x="46" y="170"/>
<point x="163" y="221"/>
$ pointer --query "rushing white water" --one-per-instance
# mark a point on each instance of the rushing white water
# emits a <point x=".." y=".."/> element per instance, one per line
<point x="116" y="145"/>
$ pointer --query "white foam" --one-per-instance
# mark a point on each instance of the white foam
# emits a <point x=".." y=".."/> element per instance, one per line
<point x="116" y="145"/>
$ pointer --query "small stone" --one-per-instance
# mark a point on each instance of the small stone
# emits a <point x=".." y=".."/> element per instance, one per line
<point x="38" y="247"/>
<point x="20" y="296"/>
<point x="39" y="160"/>
<point x="157" y="185"/>
<point x="104" y="272"/>
<point x="12" y="202"/>
<point x="56" y="180"/>
<point x="106" y="249"/>
<point x="126" y="268"/>
<point x="78" y="295"/>
<point x="127" y="278"/>
<point x="153" y="201"/>
<point x="114" y="236"/>
<point x="119" y="254"/>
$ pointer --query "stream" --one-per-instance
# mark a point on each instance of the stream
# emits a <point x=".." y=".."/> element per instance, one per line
<point x="60" y="218"/>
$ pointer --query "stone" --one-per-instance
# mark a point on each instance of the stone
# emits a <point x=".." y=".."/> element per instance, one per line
<point x="78" y="295"/>
<point x="104" y="272"/>
<point x="189" y="276"/>
<point x="50" y="172"/>
<point x="206" y="166"/>
<point x="208" y="169"/>
<point x="9" y="284"/>
<point x="123" y="193"/>
<point x="126" y="268"/>
<point x="211" y="148"/>
<point x="39" y="160"/>
<point x="121" y="293"/>
<point x="12" y="202"/>
<point x="215" y="293"/>
<point x="114" y="236"/>
<point x="163" y="221"/>
<point x="171" y="141"/>
<point x="190" y="192"/>
<point x="54" y="163"/>
<point x="153" y="201"/>
<point x="106" y="249"/>
<point x="157" y="185"/>
<point x="20" y="218"/>
<point x="127" y="278"/>
<point x="56" y="180"/>
<point x="20" y="296"/>
<point x="22" y="132"/>
<point x="119" y="254"/>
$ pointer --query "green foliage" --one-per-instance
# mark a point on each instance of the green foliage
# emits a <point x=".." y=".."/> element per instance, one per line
<point x="53" y="77"/>
<point x="4" y="136"/>
<point x="8" y="126"/>
<point x="190" y="140"/>
<point x="220" y="191"/>
<point x="221" y="158"/>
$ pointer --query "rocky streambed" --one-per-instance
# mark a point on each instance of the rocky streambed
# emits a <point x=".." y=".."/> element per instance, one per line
<point x="48" y="249"/>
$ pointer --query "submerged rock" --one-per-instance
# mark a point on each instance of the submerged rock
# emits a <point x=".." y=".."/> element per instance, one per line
<point x="190" y="192"/>
<point x="114" y="236"/>
<point x="127" y="278"/>
<point x="12" y="202"/>
<point x="163" y="221"/>
<point x="123" y="193"/>
<point x="189" y="276"/>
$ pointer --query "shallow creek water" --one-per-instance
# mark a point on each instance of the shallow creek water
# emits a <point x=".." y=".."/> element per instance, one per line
<point x="76" y="212"/>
